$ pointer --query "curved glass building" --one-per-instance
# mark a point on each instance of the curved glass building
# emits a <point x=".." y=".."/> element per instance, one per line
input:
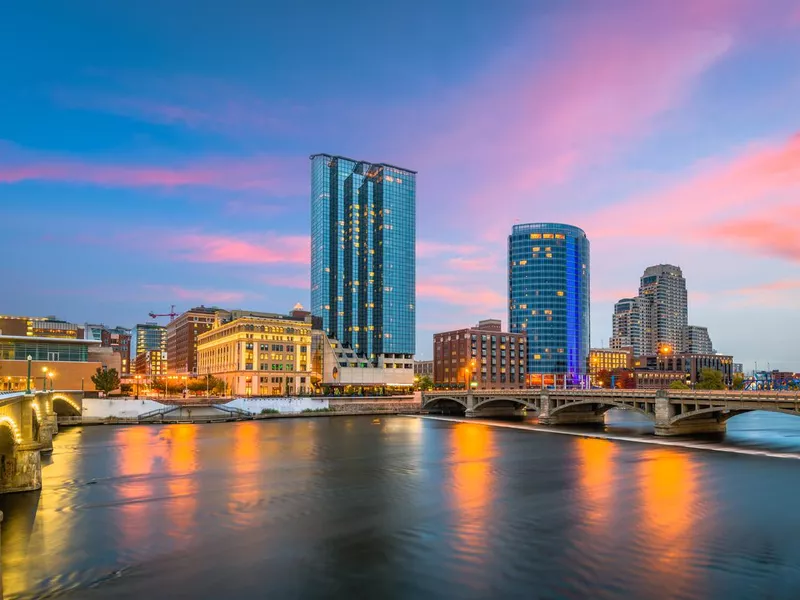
<point x="548" y="298"/>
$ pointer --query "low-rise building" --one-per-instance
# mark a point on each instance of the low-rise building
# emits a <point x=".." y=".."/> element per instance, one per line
<point x="608" y="360"/>
<point x="689" y="366"/>
<point x="151" y="363"/>
<point x="63" y="363"/>
<point x="423" y="368"/>
<point x="483" y="357"/>
<point x="258" y="354"/>
<point x="339" y="369"/>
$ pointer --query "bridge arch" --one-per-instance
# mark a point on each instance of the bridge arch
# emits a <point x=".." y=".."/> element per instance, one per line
<point x="65" y="406"/>
<point x="723" y="414"/>
<point x="495" y="399"/>
<point x="438" y="400"/>
<point x="603" y="406"/>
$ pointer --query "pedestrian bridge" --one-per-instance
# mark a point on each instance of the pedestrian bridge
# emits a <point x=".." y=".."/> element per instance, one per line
<point x="28" y="422"/>
<point x="673" y="412"/>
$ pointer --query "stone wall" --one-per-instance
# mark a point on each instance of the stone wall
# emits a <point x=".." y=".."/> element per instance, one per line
<point x="387" y="405"/>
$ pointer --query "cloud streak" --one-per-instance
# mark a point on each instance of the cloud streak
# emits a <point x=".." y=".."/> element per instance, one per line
<point x="260" y="173"/>
<point x="271" y="248"/>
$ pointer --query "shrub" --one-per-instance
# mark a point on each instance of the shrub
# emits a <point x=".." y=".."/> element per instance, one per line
<point x="270" y="411"/>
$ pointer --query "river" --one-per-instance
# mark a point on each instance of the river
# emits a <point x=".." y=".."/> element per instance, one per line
<point x="403" y="507"/>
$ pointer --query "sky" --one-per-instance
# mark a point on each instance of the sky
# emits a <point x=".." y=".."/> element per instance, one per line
<point x="156" y="153"/>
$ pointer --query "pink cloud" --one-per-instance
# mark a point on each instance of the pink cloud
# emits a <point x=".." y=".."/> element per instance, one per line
<point x="481" y="263"/>
<point x="261" y="173"/>
<point x="775" y="235"/>
<point x="479" y="299"/>
<point x="782" y="293"/>
<point x="535" y="123"/>
<point x="212" y="248"/>
<point x="758" y="184"/>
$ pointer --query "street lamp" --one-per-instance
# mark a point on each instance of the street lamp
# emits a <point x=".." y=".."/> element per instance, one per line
<point x="185" y="387"/>
<point x="44" y="378"/>
<point x="30" y="358"/>
<point x="137" y="378"/>
<point x="51" y="374"/>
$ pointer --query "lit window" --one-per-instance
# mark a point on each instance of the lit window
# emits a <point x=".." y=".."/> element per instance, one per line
<point x="559" y="293"/>
<point x="548" y="236"/>
<point x="523" y="262"/>
<point x="536" y="236"/>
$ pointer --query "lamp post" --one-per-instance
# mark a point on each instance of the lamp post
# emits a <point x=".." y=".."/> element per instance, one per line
<point x="30" y="358"/>
<point x="44" y="378"/>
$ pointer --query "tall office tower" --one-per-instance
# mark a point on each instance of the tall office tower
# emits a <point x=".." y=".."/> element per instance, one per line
<point x="548" y="296"/>
<point x="626" y="326"/>
<point x="150" y="336"/>
<point x="696" y="340"/>
<point x="663" y="300"/>
<point x="363" y="257"/>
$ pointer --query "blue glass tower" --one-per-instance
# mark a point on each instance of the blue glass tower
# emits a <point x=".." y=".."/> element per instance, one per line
<point x="363" y="257"/>
<point x="548" y="297"/>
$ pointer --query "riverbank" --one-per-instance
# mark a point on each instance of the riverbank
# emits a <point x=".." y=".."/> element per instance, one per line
<point x="685" y="443"/>
<point x="223" y="413"/>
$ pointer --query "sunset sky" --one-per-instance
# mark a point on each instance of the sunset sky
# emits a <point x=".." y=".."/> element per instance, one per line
<point x="156" y="153"/>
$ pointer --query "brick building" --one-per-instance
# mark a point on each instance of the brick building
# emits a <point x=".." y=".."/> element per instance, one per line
<point x="483" y="356"/>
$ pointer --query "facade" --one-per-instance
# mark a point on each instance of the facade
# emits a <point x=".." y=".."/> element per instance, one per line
<point x="548" y="293"/>
<point x="49" y="327"/>
<point x="150" y="336"/>
<point x="258" y="354"/>
<point x="120" y="342"/>
<point x="363" y="237"/>
<point x="182" y="335"/>
<point x="339" y="369"/>
<point x="607" y="360"/>
<point x="483" y="357"/>
<point x="66" y="361"/>
<point x="664" y="308"/>
<point x="423" y="368"/>
<point x="659" y="370"/>
<point x="696" y="340"/>
<point x="151" y="363"/>
<point x="627" y="326"/>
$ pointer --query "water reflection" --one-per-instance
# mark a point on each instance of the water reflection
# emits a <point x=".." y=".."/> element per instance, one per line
<point x="671" y="505"/>
<point x="182" y="463"/>
<point x="245" y="486"/>
<point x="472" y="452"/>
<point x="596" y="471"/>
<point x="135" y="460"/>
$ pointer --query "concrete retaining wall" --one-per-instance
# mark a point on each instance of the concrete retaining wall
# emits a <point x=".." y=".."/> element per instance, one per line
<point x="117" y="408"/>
<point x="283" y="405"/>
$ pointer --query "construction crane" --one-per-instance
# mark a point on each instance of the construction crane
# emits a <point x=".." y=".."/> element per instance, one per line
<point x="171" y="314"/>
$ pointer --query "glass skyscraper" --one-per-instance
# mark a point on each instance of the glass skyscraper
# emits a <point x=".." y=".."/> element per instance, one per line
<point x="363" y="258"/>
<point x="548" y="295"/>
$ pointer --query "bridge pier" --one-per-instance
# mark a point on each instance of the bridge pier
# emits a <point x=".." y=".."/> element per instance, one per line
<point x="665" y="424"/>
<point x="22" y="471"/>
<point x="579" y="415"/>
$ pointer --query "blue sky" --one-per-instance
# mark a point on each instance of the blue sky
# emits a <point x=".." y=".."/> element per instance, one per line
<point x="156" y="154"/>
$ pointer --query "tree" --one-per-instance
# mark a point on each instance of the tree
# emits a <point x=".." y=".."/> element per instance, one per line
<point x="710" y="379"/>
<point x="623" y="379"/>
<point x="126" y="388"/>
<point x="106" y="381"/>
<point x="678" y="385"/>
<point x="424" y="383"/>
<point x="738" y="381"/>
<point x="603" y="378"/>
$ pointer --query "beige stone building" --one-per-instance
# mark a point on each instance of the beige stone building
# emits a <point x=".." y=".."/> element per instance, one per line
<point x="258" y="354"/>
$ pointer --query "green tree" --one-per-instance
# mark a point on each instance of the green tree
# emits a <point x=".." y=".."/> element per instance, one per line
<point x="678" y="385"/>
<point x="106" y="381"/>
<point x="710" y="379"/>
<point x="423" y="383"/>
<point x="126" y="388"/>
<point x="738" y="381"/>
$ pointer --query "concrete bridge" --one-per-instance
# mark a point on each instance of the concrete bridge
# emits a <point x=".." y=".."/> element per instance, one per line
<point x="28" y="422"/>
<point x="673" y="412"/>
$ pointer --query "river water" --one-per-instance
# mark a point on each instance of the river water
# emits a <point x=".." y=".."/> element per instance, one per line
<point x="357" y="507"/>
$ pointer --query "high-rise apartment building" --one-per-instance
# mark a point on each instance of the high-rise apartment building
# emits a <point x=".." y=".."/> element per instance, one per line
<point x="696" y="340"/>
<point x="363" y="257"/>
<point x="548" y="294"/>
<point x="627" y="326"/>
<point x="182" y="335"/>
<point x="664" y="308"/>
<point x="150" y="336"/>
<point x="484" y="357"/>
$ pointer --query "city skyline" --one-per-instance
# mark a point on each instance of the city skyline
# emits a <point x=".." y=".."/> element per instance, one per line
<point x="168" y="164"/>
